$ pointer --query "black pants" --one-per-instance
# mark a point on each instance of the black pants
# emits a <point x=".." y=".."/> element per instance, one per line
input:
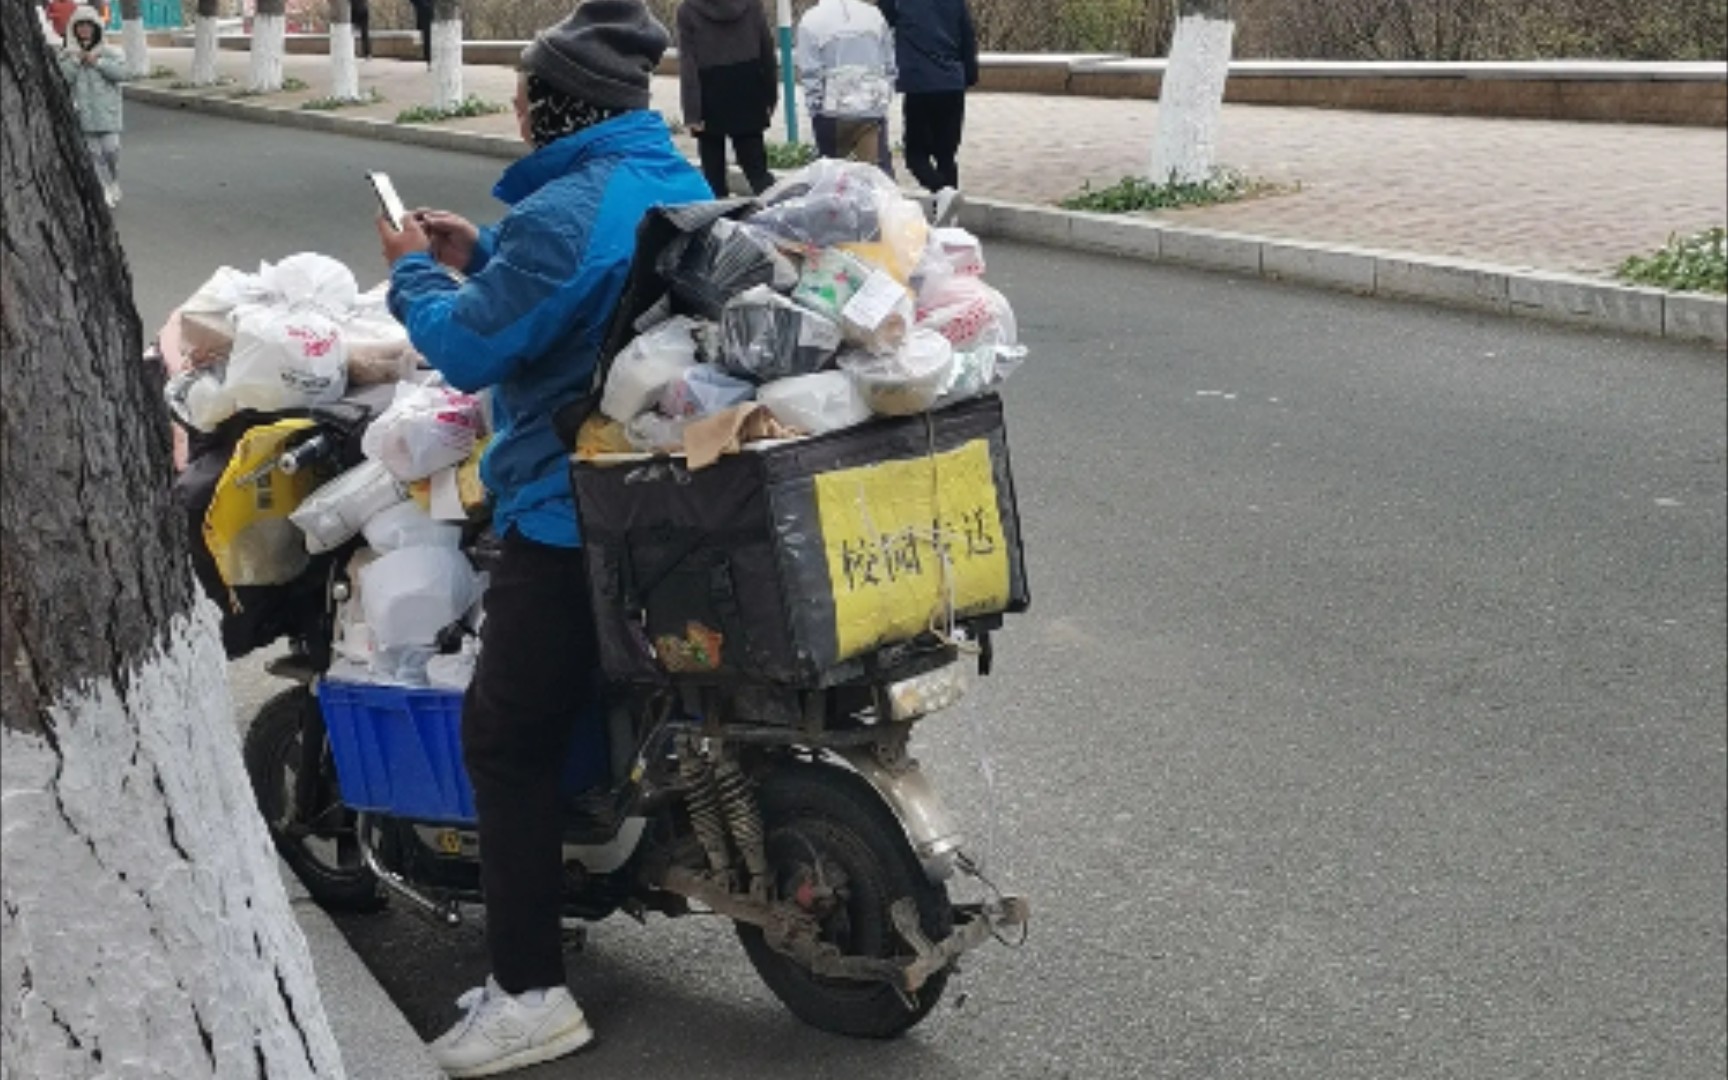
<point x="933" y="126"/>
<point x="752" y="152"/>
<point x="538" y="670"/>
<point x="362" y="15"/>
<point x="423" y="23"/>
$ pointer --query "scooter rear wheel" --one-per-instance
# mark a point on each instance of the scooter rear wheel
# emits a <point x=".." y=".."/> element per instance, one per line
<point x="319" y="846"/>
<point x="828" y="828"/>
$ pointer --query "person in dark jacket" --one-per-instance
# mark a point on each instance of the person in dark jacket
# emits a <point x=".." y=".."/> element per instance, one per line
<point x="361" y="12"/>
<point x="937" y="50"/>
<point x="527" y="321"/>
<point x="423" y="23"/>
<point x="728" y="77"/>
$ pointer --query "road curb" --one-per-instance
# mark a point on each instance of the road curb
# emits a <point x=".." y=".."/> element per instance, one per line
<point x="1597" y="304"/>
<point x="374" y="1037"/>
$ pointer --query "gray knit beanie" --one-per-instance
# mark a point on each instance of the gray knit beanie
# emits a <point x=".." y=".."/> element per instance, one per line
<point x="603" y="53"/>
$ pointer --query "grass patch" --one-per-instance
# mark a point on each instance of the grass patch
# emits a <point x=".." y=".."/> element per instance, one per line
<point x="472" y="105"/>
<point x="162" y="71"/>
<point x="1696" y="263"/>
<point x="221" y="80"/>
<point x="1132" y="193"/>
<point x="790" y="155"/>
<point x="368" y="96"/>
<point x="292" y="85"/>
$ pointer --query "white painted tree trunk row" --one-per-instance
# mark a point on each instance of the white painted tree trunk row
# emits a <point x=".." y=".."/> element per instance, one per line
<point x="147" y="931"/>
<point x="137" y="48"/>
<point x="269" y="46"/>
<point x="447" y="63"/>
<point x="1191" y="100"/>
<point x="204" y="52"/>
<point x="344" y="69"/>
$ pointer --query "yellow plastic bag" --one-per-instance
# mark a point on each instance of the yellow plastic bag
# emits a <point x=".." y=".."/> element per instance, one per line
<point x="246" y="528"/>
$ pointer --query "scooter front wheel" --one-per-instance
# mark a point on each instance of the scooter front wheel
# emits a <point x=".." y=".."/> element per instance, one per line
<point x="835" y="848"/>
<point x="319" y="843"/>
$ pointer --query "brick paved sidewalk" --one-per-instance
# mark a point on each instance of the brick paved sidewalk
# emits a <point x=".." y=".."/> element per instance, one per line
<point x="1523" y="193"/>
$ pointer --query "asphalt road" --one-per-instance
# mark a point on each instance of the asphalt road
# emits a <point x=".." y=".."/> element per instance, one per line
<point x="1369" y="722"/>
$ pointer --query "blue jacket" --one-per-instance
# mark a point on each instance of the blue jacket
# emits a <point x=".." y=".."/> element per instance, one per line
<point x="540" y="291"/>
<point x="935" y="44"/>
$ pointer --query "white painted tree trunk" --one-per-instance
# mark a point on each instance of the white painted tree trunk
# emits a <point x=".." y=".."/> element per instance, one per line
<point x="204" y="52"/>
<point x="1191" y="100"/>
<point x="446" y="63"/>
<point x="344" y="70"/>
<point x="146" y="926"/>
<point x="269" y="46"/>
<point x="137" y="48"/>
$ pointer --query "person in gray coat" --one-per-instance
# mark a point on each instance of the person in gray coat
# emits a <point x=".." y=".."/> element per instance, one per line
<point x="93" y="74"/>
<point x="728" y="75"/>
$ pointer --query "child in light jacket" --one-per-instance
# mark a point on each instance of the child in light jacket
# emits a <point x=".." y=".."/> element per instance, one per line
<point x="845" y="61"/>
<point x="94" y="73"/>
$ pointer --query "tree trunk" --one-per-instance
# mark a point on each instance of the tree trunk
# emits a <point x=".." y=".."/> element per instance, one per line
<point x="1191" y="99"/>
<point x="204" y="44"/>
<point x="145" y="925"/>
<point x="446" y="54"/>
<point x="132" y="35"/>
<point x="269" y="46"/>
<point x="344" y="71"/>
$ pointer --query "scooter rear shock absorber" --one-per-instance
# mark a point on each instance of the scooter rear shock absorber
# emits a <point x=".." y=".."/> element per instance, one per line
<point x="744" y="821"/>
<point x="704" y="807"/>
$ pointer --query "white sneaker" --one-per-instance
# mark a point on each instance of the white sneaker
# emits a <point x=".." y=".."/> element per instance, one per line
<point x="947" y="208"/>
<point x="502" y="1033"/>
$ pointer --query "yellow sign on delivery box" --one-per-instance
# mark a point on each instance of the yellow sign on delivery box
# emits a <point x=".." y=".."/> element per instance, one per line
<point x="907" y="540"/>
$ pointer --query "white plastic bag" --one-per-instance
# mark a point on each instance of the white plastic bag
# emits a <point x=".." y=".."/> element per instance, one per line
<point x="310" y="280"/>
<point x="412" y="593"/>
<point x="645" y="366"/>
<point x="206" y="318"/>
<point x="285" y="358"/>
<point x="426" y="428"/>
<point x="652" y="433"/>
<point x="378" y="348"/>
<point x="819" y="403"/>
<point x="703" y="389"/>
<point x="334" y="514"/>
<point x="908" y="381"/>
<point x="969" y="313"/>
<point x="197" y="398"/>
<point x="406" y="525"/>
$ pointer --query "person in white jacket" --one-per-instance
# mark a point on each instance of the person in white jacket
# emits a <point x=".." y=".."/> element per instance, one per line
<point x="845" y="61"/>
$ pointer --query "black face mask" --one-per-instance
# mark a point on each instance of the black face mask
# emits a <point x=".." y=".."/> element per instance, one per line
<point x="553" y="114"/>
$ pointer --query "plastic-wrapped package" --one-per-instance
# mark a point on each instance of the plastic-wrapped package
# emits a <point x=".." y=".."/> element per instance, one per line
<point x="908" y="381"/>
<point x="819" y="403"/>
<point x="829" y="203"/>
<point x="700" y="390"/>
<point x="765" y="336"/>
<point x="856" y="92"/>
<point x="205" y="319"/>
<point x="286" y="358"/>
<point x="901" y="239"/>
<point x="645" y="366"/>
<point x="197" y="398"/>
<point x="974" y="372"/>
<point x="879" y="315"/>
<point x="378" y="348"/>
<point x="706" y="268"/>
<point x="410" y="594"/>
<point x="335" y="513"/>
<point x="426" y="428"/>
<point x="652" y="433"/>
<point x="829" y="279"/>
<point x="967" y="312"/>
<point x="406" y="525"/>
<point x="959" y="250"/>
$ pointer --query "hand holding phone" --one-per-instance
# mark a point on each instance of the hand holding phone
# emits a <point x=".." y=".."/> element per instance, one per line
<point x="388" y="201"/>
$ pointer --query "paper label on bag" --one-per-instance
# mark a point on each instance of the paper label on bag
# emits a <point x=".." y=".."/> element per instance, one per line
<point x="446" y="496"/>
<point x="871" y="305"/>
<point x="815" y="332"/>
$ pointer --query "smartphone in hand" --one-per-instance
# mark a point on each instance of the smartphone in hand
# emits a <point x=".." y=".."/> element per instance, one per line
<point x="388" y="201"/>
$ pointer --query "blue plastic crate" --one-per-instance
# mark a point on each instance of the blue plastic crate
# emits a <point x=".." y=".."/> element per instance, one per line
<point x="399" y="751"/>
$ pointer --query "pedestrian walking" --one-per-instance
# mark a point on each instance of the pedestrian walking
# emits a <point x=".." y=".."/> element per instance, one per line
<point x="360" y="11"/>
<point x="845" y="61"/>
<point x="728" y="78"/>
<point x="937" y="50"/>
<point x="423" y="23"/>
<point x="93" y="74"/>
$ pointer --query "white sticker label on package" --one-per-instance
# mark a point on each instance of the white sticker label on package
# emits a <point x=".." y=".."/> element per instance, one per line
<point x="871" y="305"/>
<point x="815" y="332"/>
